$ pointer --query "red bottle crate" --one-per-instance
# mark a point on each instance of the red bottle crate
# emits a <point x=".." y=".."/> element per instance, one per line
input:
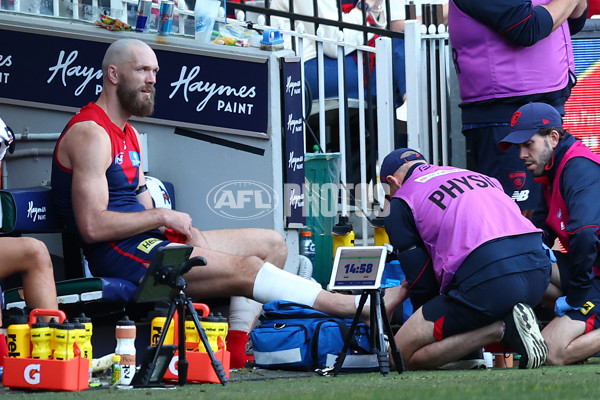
<point x="31" y="373"/>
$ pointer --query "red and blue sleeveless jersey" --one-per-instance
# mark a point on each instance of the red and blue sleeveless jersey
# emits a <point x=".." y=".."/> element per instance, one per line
<point x="122" y="175"/>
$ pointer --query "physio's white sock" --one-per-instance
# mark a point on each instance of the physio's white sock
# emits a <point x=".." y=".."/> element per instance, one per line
<point x="243" y="313"/>
<point x="272" y="284"/>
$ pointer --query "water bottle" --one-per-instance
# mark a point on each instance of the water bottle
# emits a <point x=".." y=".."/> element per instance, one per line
<point x="40" y="339"/>
<point x="156" y="327"/>
<point x="53" y="324"/>
<point x="17" y="337"/>
<point x="343" y="235"/>
<point x="222" y="328"/>
<point x="192" y="337"/>
<point x="87" y="346"/>
<point x="205" y="14"/>
<point x="125" y="334"/>
<point x="65" y="338"/>
<point x="307" y="246"/>
<point x="81" y="338"/>
<point x="379" y="234"/>
<point x="211" y="325"/>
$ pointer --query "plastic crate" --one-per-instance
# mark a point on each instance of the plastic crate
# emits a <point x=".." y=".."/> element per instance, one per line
<point x="31" y="373"/>
<point x="200" y="369"/>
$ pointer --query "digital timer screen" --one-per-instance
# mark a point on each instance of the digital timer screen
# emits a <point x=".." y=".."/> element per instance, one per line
<point x="358" y="267"/>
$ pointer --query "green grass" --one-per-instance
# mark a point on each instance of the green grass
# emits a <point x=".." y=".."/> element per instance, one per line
<point x="573" y="382"/>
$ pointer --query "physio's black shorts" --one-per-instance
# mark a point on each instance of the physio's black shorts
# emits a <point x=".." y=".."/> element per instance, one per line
<point x="473" y="304"/>
<point x="126" y="259"/>
<point x="484" y="155"/>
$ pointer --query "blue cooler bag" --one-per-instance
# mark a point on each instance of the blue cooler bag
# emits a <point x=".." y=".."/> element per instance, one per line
<point x="297" y="337"/>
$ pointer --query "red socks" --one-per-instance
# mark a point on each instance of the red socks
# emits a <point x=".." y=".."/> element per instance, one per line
<point x="236" y="346"/>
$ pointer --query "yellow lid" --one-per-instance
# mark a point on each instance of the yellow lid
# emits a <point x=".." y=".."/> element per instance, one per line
<point x="116" y="358"/>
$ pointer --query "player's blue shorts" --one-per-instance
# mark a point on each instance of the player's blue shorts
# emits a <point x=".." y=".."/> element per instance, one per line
<point x="484" y="155"/>
<point x="590" y="311"/>
<point x="126" y="259"/>
<point x="473" y="303"/>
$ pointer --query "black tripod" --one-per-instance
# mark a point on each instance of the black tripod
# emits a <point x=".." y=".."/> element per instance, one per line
<point x="380" y="326"/>
<point x="180" y="302"/>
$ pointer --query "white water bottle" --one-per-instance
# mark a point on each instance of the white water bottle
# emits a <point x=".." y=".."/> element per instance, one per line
<point x="125" y="334"/>
<point x="205" y="14"/>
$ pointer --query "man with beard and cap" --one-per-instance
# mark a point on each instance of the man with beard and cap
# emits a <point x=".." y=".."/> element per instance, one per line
<point x="474" y="265"/>
<point x="569" y="173"/>
<point x="100" y="195"/>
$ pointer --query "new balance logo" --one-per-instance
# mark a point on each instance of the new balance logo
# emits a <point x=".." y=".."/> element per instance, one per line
<point x="521" y="195"/>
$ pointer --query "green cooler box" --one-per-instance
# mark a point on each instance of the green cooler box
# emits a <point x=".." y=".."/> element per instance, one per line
<point x="322" y="171"/>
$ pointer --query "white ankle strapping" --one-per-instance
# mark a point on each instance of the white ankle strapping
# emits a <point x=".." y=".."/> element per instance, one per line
<point x="243" y="313"/>
<point x="272" y="284"/>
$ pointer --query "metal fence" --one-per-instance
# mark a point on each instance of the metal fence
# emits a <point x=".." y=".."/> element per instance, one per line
<point x="428" y="91"/>
<point x="361" y="129"/>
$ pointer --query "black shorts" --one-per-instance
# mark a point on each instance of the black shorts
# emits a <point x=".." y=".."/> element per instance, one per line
<point x="468" y="306"/>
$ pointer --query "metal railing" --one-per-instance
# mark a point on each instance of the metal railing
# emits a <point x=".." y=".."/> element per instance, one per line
<point x="428" y="91"/>
<point x="427" y="70"/>
<point x="427" y="55"/>
<point x="376" y="122"/>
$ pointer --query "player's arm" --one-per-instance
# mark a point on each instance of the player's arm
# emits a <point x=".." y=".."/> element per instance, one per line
<point x="88" y="151"/>
<point x="142" y="192"/>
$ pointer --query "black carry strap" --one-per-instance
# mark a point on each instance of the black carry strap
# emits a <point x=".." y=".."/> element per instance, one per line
<point x="344" y="329"/>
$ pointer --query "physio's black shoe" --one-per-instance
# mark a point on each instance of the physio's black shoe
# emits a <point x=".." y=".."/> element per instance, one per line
<point x="522" y="334"/>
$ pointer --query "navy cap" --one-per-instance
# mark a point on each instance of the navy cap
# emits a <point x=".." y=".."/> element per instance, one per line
<point x="528" y="120"/>
<point x="394" y="160"/>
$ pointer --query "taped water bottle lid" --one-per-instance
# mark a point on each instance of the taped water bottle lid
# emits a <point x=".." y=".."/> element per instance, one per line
<point x="125" y="329"/>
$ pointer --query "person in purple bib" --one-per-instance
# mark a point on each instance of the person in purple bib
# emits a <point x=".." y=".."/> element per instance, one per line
<point x="474" y="265"/>
<point x="569" y="172"/>
<point x="496" y="48"/>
